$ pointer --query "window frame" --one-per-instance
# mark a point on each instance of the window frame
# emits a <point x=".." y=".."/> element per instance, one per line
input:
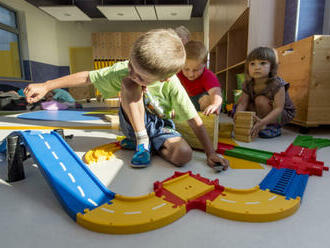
<point x="17" y="32"/>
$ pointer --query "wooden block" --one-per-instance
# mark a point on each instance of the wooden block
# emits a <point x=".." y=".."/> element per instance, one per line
<point x="112" y="102"/>
<point x="244" y="119"/>
<point x="211" y="124"/>
<point x="225" y="134"/>
<point x="246" y="113"/>
<point x="243" y="138"/>
<point x="242" y="131"/>
<point x="244" y="124"/>
<point x="113" y="119"/>
<point x="226" y="126"/>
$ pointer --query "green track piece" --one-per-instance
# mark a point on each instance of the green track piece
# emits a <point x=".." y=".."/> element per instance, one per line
<point x="310" y="142"/>
<point x="250" y="154"/>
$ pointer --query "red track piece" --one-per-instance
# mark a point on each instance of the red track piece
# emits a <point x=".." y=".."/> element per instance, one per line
<point x="198" y="203"/>
<point x="302" y="160"/>
<point x="222" y="147"/>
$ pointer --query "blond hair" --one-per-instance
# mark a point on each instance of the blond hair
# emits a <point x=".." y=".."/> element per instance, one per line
<point x="159" y="52"/>
<point x="195" y="50"/>
<point x="183" y="33"/>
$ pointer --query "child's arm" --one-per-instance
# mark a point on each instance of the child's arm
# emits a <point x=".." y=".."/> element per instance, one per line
<point x="278" y="105"/>
<point x="35" y="92"/>
<point x="243" y="102"/>
<point x="198" y="128"/>
<point x="216" y="100"/>
<point x="132" y="103"/>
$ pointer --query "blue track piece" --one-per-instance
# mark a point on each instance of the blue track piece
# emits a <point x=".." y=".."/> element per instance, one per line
<point x="75" y="186"/>
<point x="285" y="182"/>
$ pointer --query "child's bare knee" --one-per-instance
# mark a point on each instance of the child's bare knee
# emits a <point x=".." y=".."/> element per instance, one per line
<point x="181" y="156"/>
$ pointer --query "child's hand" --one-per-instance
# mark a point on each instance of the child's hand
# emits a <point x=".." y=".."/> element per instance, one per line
<point x="257" y="127"/>
<point x="212" y="109"/>
<point x="214" y="158"/>
<point x="35" y="92"/>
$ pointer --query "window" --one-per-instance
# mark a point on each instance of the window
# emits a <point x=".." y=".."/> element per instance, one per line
<point x="10" y="59"/>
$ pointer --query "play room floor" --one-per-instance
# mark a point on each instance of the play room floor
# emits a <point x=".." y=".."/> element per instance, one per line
<point x="31" y="216"/>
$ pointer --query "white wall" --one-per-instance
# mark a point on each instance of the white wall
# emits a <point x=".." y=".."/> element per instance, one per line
<point x="206" y="25"/>
<point x="266" y="23"/>
<point x="46" y="40"/>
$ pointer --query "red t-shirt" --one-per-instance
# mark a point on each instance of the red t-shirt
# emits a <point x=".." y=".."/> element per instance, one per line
<point x="205" y="82"/>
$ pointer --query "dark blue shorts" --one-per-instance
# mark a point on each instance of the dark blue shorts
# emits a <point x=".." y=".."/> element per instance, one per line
<point x="159" y="130"/>
<point x="195" y="99"/>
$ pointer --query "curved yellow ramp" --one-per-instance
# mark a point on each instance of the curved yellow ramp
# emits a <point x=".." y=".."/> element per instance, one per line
<point x="253" y="205"/>
<point x="131" y="215"/>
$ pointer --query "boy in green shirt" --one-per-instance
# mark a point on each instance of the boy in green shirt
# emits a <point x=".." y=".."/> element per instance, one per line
<point x="155" y="58"/>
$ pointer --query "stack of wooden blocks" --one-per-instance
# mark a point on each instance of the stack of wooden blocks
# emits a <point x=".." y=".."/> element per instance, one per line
<point x="211" y="124"/>
<point x="244" y="121"/>
<point x="225" y="129"/>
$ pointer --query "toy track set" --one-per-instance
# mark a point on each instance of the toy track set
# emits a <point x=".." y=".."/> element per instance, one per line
<point x="88" y="202"/>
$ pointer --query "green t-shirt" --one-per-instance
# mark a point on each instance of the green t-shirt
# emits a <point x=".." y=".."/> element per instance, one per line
<point x="170" y="94"/>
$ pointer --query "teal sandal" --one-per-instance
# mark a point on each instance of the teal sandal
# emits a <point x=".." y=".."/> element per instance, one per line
<point x="271" y="131"/>
<point x="141" y="158"/>
<point x="128" y="144"/>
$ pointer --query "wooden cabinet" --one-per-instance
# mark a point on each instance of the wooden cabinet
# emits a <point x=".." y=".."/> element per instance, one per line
<point x="305" y="64"/>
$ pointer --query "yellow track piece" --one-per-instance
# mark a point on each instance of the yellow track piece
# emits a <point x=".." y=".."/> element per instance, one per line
<point x="131" y="215"/>
<point x="238" y="163"/>
<point x="101" y="153"/>
<point x="253" y="205"/>
<point x="187" y="188"/>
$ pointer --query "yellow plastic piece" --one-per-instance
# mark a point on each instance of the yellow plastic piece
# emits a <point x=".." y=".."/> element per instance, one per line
<point x="102" y="112"/>
<point x="229" y="107"/>
<point x="227" y="141"/>
<point x="131" y="215"/>
<point x="120" y="138"/>
<point x="57" y="127"/>
<point x="187" y="188"/>
<point x="238" y="163"/>
<point x="101" y="153"/>
<point x="252" y="205"/>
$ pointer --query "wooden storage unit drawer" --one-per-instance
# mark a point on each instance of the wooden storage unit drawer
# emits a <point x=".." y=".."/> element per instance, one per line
<point x="305" y="64"/>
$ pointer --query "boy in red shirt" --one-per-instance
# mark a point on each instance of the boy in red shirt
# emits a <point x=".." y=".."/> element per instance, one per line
<point x="201" y="84"/>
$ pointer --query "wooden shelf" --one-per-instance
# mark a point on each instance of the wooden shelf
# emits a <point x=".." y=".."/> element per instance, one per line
<point x="228" y="56"/>
<point x="230" y="67"/>
<point x="236" y="28"/>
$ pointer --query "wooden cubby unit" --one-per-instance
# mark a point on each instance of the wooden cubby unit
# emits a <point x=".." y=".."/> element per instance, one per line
<point x="236" y="28"/>
<point x="227" y="58"/>
<point x="222" y="77"/>
<point x="221" y="54"/>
